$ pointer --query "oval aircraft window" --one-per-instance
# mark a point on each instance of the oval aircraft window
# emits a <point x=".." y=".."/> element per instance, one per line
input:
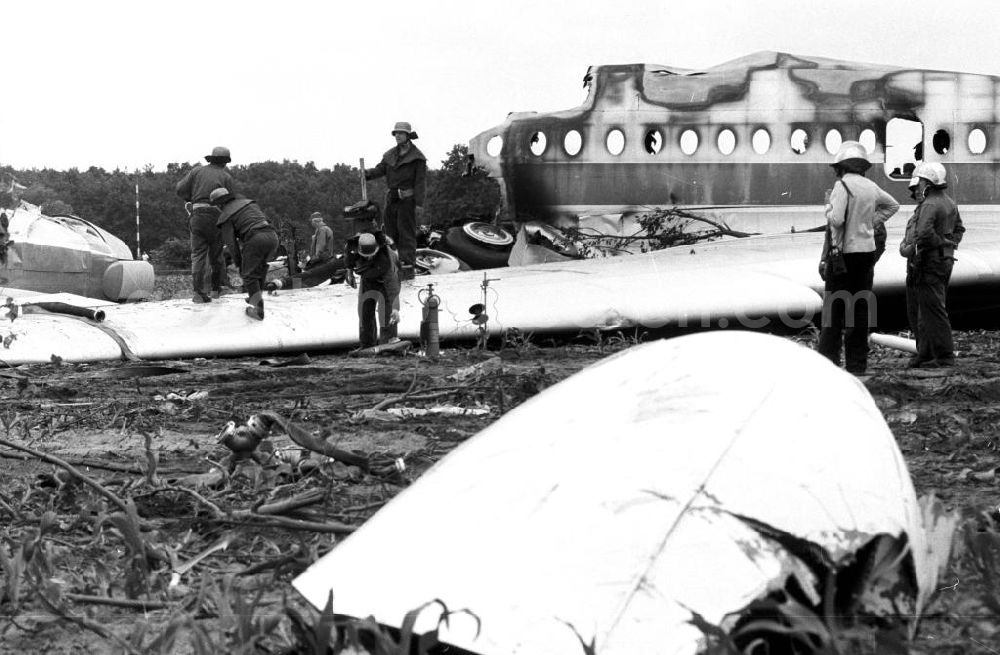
<point x="616" y="142"/>
<point x="494" y="146"/>
<point x="761" y="141"/>
<point x="652" y="142"/>
<point x="941" y="142"/>
<point x="573" y="142"/>
<point x="867" y="139"/>
<point x="689" y="142"/>
<point x="538" y="143"/>
<point x="800" y="141"/>
<point x="977" y="141"/>
<point x="833" y="141"/>
<point x="727" y="141"/>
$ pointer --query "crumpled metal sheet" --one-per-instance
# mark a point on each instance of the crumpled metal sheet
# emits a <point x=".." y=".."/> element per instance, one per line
<point x="621" y="500"/>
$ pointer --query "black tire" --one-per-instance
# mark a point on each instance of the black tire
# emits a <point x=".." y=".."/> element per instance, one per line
<point x="456" y="242"/>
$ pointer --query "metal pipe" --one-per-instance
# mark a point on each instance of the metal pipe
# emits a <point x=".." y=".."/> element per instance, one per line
<point x="889" y="341"/>
<point x="63" y="308"/>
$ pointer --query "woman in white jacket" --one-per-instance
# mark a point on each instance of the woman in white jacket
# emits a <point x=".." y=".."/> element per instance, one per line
<point x="856" y="206"/>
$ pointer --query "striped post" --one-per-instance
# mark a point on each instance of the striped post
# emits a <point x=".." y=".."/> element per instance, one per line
<point x="138" y="249"/>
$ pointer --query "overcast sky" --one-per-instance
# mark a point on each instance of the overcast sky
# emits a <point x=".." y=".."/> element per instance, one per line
<point x="126" y="84"/>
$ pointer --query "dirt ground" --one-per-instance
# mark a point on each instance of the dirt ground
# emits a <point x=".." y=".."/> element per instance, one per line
<point x="148" y="440"/>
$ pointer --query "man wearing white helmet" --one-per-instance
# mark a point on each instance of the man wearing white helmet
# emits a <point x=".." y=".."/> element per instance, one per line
<point x="856" y="206"/>
<point x="937" y="232"/>
<point x="908" y="250"/>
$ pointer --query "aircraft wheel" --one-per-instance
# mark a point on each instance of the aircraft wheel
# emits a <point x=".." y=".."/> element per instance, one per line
<point x="488" y="235"/>
<point x="437" y="262"/>
<point x="473" y="253"/>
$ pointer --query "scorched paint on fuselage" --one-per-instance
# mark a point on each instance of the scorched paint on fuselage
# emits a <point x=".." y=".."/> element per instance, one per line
<point x="749" y="134"/>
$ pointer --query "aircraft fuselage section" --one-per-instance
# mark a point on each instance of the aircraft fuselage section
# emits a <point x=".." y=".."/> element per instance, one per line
<point x="760" y="130"/>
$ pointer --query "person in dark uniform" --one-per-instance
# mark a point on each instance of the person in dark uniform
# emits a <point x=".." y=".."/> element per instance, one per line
<point x="208" y="267"/>
<point x="908" y="250"/>
<point x="252" y="241"/>
<point x="405" y="170"/>
<point x="937" y="233"/>
<point x="371" y="258"/>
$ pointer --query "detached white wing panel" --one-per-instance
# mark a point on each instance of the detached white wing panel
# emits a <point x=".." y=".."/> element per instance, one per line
<point x="608" y="501"/>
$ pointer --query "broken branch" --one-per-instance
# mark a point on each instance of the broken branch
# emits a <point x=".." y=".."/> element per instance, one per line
<point x="302" y="500"/>
<point x="128" y="603"/>
<point x="316" y="444"/>
<point x="52" y="459"/>
<point x="292" y="524"/>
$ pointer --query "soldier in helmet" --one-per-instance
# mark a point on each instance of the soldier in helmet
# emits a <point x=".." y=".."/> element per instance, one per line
<point x="252" y="241"/>
<point x="208" y="267"/>
<point x="405" y="170"/>
<point x="937" y="232"/>
<point x="856" y="206"/>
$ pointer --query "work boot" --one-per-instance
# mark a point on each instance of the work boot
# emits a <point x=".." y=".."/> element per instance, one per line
<point x="216" y="293"/>
<point x="256" y="313"/>
<point x="939" y="363"/>
<point x="405" y="273"/>
<point x="200" y="298"/>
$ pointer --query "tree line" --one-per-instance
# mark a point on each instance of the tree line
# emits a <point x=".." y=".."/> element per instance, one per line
<point x="287" y="191"/>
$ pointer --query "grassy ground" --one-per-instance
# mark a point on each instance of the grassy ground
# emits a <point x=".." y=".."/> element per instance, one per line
<point x="141" y="441"/>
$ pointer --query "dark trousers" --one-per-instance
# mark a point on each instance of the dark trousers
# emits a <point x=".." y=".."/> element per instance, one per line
<point x="912" y="305"/>
<point x="927" y="304"/>
<point x="208" y="266"/>
<point x="256" y="251"/>
<point x="401" y="227"/>
<point x="372" y="300"/>
<point x="848" y="309"/>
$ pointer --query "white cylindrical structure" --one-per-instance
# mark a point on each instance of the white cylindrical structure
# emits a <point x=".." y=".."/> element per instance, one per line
<point x="892" y="341"/>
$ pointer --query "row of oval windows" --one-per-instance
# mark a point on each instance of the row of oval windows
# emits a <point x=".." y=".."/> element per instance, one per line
<point x="761" y="142"/>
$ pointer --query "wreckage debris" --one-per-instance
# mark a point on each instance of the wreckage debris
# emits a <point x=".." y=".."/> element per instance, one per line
<point x="649" y="515"/>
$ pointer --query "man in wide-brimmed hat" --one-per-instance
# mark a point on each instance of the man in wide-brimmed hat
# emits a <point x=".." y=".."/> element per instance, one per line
<point x="405" y="170"/>
<point x="855" y="208"/>
<point x="208" y="267"/>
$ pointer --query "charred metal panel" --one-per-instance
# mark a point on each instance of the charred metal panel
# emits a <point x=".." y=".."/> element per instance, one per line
<point x="777" y="92"/>
<point x="710" y="184"/>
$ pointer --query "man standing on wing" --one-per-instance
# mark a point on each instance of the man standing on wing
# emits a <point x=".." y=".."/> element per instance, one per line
<point x="405" y="171"/>
<point x="208" y="266"/>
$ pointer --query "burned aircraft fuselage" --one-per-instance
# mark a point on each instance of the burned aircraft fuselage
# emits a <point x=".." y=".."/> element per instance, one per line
<point x="755" y="132"/>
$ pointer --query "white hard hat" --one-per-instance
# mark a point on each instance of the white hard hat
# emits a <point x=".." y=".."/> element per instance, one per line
<point x="914" y="181"/>
<point x="933" y="172"/>
<point x="851" y="150"/>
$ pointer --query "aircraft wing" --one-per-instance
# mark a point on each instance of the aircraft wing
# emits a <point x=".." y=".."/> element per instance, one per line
<point x="638" y="508"/>
<point x="730" y="283"/>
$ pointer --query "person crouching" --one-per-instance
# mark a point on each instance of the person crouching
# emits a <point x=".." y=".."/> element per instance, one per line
<point x="252" y="241"/>
<point x="370" y="258"/>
